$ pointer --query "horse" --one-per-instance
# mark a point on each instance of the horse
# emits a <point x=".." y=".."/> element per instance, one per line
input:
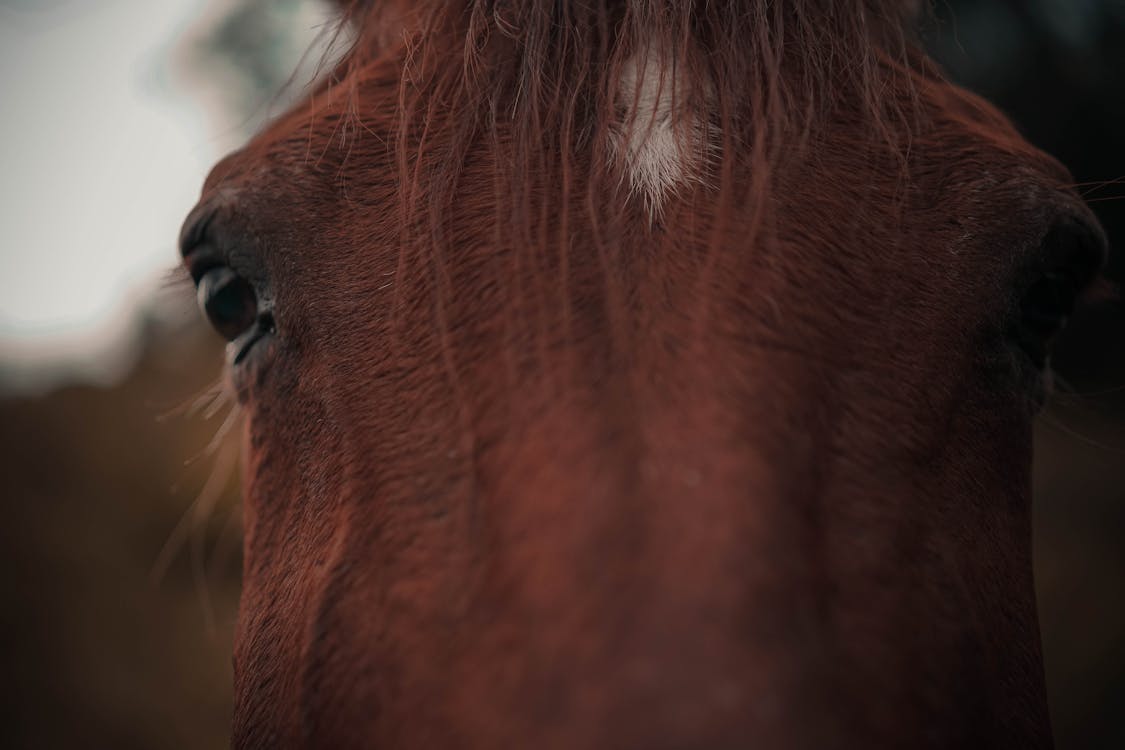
<point x="638" y="374"/>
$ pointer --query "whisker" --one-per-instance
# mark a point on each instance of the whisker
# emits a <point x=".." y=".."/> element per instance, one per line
<point x="220" y="433"/>
<point x="1094" y="185"/>
<point x="202" y="512"/>
<point x="191" y="406"/>
<point x="221" y="399"/>
<point x="1071" y="432"/>
<point x="224" y="429"/>
<point x="199" y="509"/>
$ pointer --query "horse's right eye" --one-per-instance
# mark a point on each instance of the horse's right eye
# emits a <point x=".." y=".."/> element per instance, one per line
<point x="228" y="301"/>
<point x="1073" y="255"/>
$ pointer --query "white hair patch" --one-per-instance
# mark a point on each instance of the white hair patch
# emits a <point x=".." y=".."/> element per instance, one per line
<point x="659" y="139"/>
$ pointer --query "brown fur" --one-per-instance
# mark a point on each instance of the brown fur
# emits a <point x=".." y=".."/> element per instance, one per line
<point x="524" y="470"/>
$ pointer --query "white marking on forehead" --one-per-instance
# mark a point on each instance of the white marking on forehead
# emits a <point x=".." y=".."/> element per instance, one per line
<point x="660" y="140"/>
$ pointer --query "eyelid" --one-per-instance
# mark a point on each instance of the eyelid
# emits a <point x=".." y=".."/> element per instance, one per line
<point x="216" y="235"/>
<point x="201" y="259"/>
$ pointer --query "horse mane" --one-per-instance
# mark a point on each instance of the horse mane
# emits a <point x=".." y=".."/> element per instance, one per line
<point x="549" y="73"/>
<point x="538" y="87"/>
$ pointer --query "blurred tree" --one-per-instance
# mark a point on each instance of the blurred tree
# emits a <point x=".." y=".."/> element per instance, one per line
<point x="259" y="55"/>
<point x="104" y="644"/>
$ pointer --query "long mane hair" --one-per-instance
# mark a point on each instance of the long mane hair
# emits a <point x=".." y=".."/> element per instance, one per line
<point x="539" y="83"/>
<point x="540" y="90"/>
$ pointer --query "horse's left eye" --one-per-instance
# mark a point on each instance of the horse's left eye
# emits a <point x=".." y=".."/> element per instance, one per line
<point x="228" y="301"/>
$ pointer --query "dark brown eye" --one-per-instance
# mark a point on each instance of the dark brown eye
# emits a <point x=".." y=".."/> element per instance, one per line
<point x="228" y="301"/>
<point x="1043" y="313"/>
<point x="1072" y="257"/>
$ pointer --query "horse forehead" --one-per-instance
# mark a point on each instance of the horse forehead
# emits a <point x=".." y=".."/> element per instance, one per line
<point x="660" y="140"/>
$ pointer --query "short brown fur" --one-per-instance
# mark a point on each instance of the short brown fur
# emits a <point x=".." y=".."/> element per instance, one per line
<point x="526" y="468"/>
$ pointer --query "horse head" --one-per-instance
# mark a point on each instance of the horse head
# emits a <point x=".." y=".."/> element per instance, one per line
<point x="638" y="374"/>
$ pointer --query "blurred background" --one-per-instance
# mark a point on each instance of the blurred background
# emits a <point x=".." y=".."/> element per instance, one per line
<point x="121" y="536"/>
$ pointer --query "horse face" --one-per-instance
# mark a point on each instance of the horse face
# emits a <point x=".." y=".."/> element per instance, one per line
<point x="694" y="491"/>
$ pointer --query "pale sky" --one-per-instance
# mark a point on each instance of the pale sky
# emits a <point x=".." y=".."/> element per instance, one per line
<point x="102" y="152"/>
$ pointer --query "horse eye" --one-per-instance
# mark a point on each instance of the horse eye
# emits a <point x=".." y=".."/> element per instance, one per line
<point x="1044" y="310"/>
<point x="228" y="301"/>
<point x="1072" y="260"/>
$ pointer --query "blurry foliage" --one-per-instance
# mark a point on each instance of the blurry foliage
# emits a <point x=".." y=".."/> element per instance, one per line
<point x="257" y="41"/>
<point x="101" y="654"/>
<point x="102" y="648"/>
<point x="259" y="55"/>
